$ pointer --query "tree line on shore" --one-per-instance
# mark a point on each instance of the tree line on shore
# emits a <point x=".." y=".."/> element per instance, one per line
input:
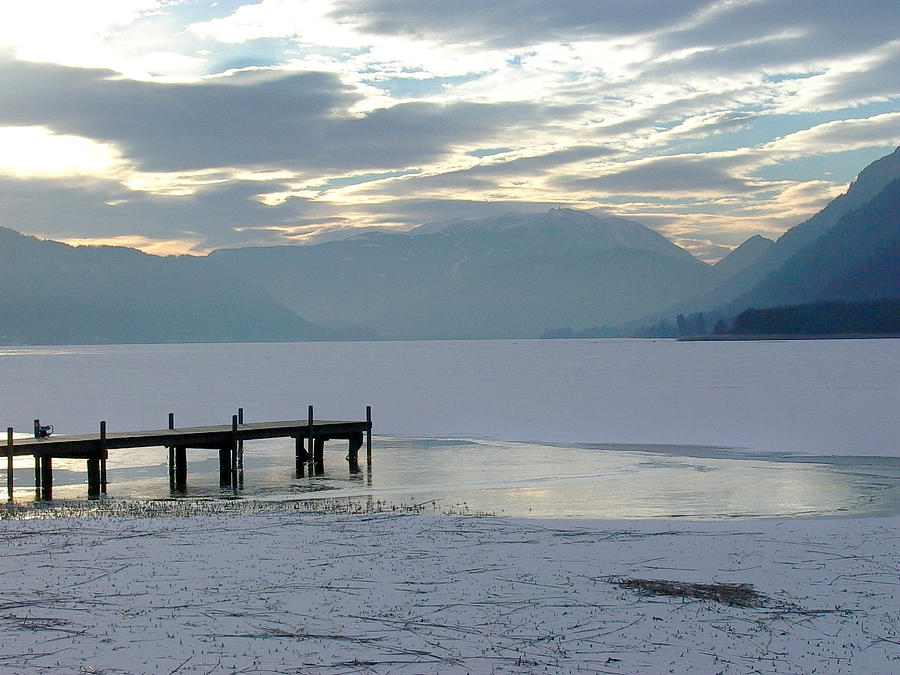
<point x="878" y="317"/>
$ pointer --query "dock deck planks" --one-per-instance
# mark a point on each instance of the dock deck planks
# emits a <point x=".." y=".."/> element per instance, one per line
<point x="83" y="446"/>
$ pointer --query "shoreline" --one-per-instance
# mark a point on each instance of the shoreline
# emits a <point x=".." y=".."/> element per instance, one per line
<point x="728" y="337"/>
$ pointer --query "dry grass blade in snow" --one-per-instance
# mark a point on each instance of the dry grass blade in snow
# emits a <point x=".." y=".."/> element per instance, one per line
<point x="736" y="595"/>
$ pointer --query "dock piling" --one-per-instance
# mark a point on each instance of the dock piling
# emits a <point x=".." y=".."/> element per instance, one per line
<point x="171" y="449"/>
<point x="355" y="443"/>
<point x="104" y="454"/>
<point x="310" y="438"/>
<point x="226" y="456"/>
<point x="225" y="467"/>
<point x="234" y="449"/>
<point x="9" y="462"/>
<point x="93" y="477"/>
<point x="44" y="466"/>
<point x="180" y="468"/>
<point x="300" y="457"/>
<point x="239" y="462"/>
<point x="319" y="455"/>
<point x="369" y="434"/>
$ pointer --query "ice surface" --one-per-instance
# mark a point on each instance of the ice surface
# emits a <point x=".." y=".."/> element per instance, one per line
<point x="815" y="397"/>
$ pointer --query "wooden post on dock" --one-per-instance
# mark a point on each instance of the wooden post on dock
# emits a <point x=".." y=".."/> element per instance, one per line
<point x="309" y="434"/>
<point x="319" y="455"/>
<point x="46" y="466"/>
<point x="43" y="478"/>
<point x="225" y="454"/>
<point x="180" y="468"/>
<point x="171" y="454"/>
<point x="224" y="467"/>
<point x="95" y="468"/>
<point x="9" y="462"/>
<point x="103" y="455"/>
<point x="355" y="442"/>
<point x="234" y="451"/>
<point x="369" y="434"/>
<point x="93" y="477"/>
<point x="300" y="458"/>
<point x="239" y="459"/>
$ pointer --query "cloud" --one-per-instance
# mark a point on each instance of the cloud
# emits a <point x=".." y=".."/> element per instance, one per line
<point x="151" y="246"/>
<point x="691" y="176"/>
<point x="856" y="80"/>
<point x="252" y="122"/>
<point x="514" y="23"/>
<point x="837" y="136"/>
<point x="251" y="119"/>
<point x="495" y="177"/>
<point x="245" y="119"/>
<point x="33" y="151"/>
<point x="37" y="27"/>
<point x="765" y="33"/>
<point x="97" y="210"/>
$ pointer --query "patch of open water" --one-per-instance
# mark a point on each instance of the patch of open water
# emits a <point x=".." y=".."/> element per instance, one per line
<point x="519" y="479"/>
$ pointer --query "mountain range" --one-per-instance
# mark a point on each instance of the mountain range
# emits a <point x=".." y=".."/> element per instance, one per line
<point x="506" y="277"/>
<point x="513" y="276"/>
<point x="748" y="287"/>
<point x="52" y="293"/>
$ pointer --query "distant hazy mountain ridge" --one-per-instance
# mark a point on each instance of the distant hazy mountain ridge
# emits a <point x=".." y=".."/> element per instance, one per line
<point x="51" y="293"/>
<point x="569" y="228"/>
<point x="511" y="276"/>
<point x="744" y="255"/>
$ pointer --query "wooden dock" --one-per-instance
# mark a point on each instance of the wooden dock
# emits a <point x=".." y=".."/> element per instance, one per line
<point x="309" y="440"/>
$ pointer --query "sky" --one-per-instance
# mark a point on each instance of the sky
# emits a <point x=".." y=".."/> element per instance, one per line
<point x="182" y="127"/>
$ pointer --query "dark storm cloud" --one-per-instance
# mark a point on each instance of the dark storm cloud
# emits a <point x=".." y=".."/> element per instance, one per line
<point x="297" y="120"/>
<point x="513" y="23"/>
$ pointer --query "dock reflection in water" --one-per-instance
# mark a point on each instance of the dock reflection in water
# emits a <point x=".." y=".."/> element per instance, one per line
<point x="529" y="479"/>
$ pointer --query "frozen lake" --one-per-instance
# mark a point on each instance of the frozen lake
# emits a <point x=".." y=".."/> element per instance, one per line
<point x="594" y="428"/>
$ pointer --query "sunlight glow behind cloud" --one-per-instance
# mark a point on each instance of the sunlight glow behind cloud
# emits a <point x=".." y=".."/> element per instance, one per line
<point x="29" y="152"/>
<point x="280" y="121"/>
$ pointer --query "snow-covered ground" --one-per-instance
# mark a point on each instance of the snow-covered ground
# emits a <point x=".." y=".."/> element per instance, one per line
<point x="289" y="591"/>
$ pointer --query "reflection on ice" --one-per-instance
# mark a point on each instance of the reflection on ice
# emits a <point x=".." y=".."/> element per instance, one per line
<point x="529" y="479"/>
